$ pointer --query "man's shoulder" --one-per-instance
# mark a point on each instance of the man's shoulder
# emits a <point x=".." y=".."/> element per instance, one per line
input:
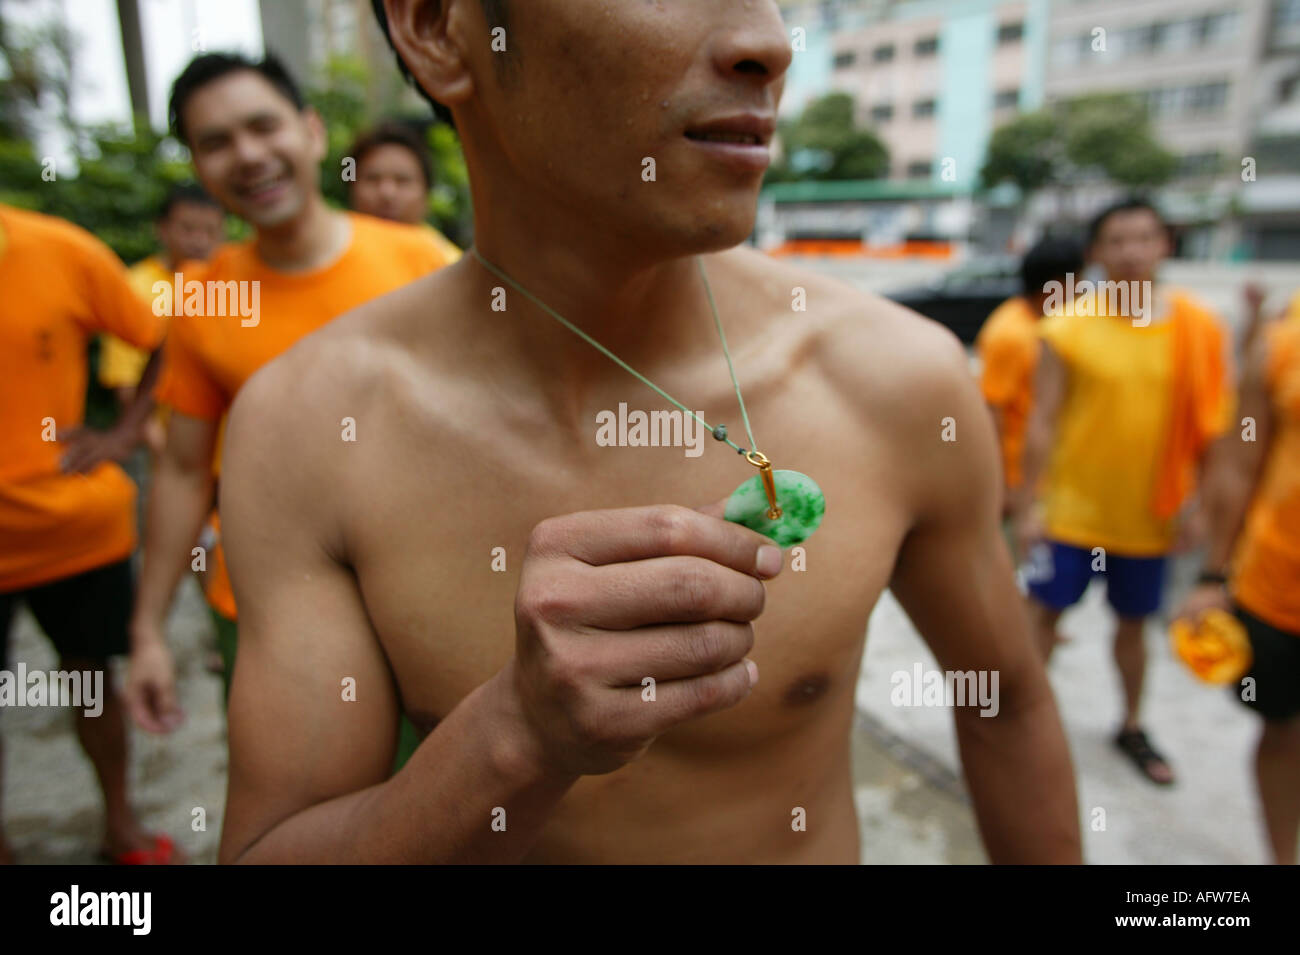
<point x="883" y="357"/>
<point x="52" y="234"/>
<point x="1012" y="322"/>
<point x="386" y="240"/>
<point x="1190" y="304"/>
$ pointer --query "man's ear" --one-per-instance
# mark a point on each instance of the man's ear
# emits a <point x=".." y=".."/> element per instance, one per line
<point x="430" y="36"/>
<point x="316" y="130"/>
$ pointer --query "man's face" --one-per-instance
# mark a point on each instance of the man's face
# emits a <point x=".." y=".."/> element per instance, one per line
<point x="390" y="185"/>
<point x="191" y="231"/>
<point x="253" y="150"/>
<point x="1131" y="246"/>
<point x="653" y="118"/>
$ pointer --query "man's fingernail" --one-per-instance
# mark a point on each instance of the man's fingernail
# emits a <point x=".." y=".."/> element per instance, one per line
<point x="752" y="667"/>
<point x="769" y="560"/>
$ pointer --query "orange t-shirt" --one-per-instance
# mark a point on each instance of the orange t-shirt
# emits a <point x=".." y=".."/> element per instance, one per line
<point x="1266" y="571"/>
<point x="259" y="313"/>
<point x="61" y="287"/>
<point x="1008" y="346"/>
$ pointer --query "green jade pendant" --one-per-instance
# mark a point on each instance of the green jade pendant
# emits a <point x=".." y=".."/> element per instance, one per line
<point x="785" y="506"/>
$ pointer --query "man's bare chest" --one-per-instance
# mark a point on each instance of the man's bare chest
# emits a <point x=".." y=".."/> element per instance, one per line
<point x="441" y="554"/>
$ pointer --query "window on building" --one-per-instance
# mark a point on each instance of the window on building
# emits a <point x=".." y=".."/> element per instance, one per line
<point x="882" y="113"/>
<point x="1163" y="103"/>
<point x="923" y="108"/>
<point x="926" y="46"/>
<point x="1214" y="28"/>
<point x="1206" y="98"/>
<point x="882" y="54"/>
<point x="1286" y="14"/>
<point x="844" y="60"/>
<point x="920" y="169"/>
<point x="1198" y="165"/>
<point x="1010" y="33"/>
<point x="1006" y="99"/>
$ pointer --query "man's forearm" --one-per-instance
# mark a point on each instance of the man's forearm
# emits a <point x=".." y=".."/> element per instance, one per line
<point x="475" y="791"/>
<point x="138" y="408"/>
<point x="179" y="499"/>
<point x="1021" y="781"/>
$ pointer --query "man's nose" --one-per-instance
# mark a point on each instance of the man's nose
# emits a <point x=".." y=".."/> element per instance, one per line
<point x="250" y="150"/>
<point x="752" y="41"/>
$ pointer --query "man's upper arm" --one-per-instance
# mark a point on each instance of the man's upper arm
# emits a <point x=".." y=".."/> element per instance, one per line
<point x="953" y="574"/>
<point x="313" y="710"/>
<point x="113" y="305"/>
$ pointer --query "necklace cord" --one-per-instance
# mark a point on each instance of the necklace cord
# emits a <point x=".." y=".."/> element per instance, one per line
<point x="624" y="365"/>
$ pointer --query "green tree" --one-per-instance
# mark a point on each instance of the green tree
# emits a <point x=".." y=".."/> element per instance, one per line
<point x="824" y="142"/>
<point x="1106" y="136"/>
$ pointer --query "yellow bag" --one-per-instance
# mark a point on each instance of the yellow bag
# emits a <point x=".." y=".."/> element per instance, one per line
<point x="1216" y="649"/>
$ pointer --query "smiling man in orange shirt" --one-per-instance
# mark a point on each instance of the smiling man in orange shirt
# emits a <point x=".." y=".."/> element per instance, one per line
<point x="257" y="150"/>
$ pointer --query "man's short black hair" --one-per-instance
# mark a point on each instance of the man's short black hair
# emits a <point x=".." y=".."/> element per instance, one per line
<point x="186" y="192"/>
<point x="394" y="134"/>
<point x="496" y="14"/>
<point x="1050" y="260"/>
<point x="1131" y="204"/>
<point x="202" y="70"/>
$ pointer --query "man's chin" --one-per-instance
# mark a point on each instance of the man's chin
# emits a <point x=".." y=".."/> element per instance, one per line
<point x="272" y="218"/>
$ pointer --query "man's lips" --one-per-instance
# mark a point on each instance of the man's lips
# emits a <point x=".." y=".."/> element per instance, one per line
<point x="741" y="139"/>
<point x="264" y="189"/>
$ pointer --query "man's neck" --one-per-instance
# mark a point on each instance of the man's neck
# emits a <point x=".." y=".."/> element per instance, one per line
<point x="309" y="241"/>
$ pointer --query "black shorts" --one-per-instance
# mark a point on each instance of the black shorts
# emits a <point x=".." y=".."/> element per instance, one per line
<point x="1275" y="669"/>
<point x="84" y="616"/>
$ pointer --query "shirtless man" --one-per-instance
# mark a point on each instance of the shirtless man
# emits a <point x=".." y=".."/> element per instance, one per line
<point x="363" y="568"/>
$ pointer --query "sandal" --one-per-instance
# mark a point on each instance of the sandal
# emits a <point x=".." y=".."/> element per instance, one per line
<point x="1135" y="745"/>
<point x="160" y="854"/>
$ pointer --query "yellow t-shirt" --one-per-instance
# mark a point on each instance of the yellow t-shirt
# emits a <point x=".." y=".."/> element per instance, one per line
<point x="120" y="364"/>
<point x="1008" y="347"/>
<point x="1111" y="429"/>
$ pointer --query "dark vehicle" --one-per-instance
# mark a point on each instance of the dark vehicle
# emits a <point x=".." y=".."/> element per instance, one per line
<point x="963" y="298"/>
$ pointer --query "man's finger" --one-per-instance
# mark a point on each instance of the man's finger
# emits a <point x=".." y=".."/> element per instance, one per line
<point x="627" y="534"/>
<point x="717" y="509"/>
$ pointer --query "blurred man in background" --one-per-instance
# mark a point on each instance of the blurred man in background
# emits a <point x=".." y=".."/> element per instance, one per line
<point x="1252" y="565"/>
<point x="189" y="228"/>
<point x="393" y="178"/>
<point x="1133" y="385"/>
<point x="67" y="511"/>
<point x="1008" y="346"/>
<point x="257" y="149"/>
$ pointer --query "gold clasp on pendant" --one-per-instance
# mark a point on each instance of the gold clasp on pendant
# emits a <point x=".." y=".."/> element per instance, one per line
<point x="760" y="461"/>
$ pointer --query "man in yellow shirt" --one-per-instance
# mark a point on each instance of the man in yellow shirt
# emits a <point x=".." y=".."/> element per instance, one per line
<point x="1252" y="565"/>
<point x="1008" y="347"/>
<point x="189" y="228"/>
<point x="1133" y="385"/>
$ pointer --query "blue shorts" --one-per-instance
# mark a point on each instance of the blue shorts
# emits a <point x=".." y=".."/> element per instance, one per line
<point x="1058" y="574"/>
